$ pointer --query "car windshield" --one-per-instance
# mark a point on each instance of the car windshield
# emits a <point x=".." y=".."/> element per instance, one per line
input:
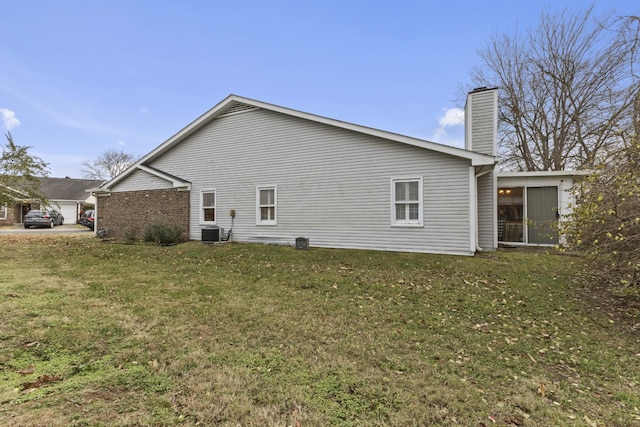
<point x="34" y="213"/>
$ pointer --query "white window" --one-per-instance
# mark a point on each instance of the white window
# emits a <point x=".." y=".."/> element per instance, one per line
<point x="3" y="211"/>
<point x="208" y="206"/>
<point x="406" y="201"/>
<point x="266" y="205"/>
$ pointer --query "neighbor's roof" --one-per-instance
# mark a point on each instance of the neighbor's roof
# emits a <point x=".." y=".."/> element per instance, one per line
<point x="235" y="103"/>
<point x="67" y="188"/>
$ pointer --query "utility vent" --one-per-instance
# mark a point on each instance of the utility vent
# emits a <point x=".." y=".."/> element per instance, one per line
<point x="238" y="108"/>
<point x="302" y="243"/>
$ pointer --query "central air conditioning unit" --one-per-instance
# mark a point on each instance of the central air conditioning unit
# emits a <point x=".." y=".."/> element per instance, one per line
<point x="212" y="234"/>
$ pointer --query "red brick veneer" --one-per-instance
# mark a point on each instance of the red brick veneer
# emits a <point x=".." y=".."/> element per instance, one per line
<point x="122" y="214"/>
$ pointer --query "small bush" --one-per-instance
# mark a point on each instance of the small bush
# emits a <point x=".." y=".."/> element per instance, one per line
<point x="130" y="234"/>
<point x="606" y="221"/>
<point x="163" y="233"/>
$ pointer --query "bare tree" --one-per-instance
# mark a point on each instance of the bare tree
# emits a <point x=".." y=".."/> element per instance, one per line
<point x="107" y="165"/>
<point x="567" y="90"/>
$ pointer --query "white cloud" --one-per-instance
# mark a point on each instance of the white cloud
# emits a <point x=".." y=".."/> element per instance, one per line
<point x="122" y="143"/>
<point x="450" y="118"/>
<point x="9" y="119"/>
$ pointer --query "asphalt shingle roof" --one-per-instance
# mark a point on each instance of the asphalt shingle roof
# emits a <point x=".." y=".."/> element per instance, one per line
<point x="67" y="188"/>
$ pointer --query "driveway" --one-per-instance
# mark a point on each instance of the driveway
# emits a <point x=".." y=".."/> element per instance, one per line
<point x="65" y="228"/>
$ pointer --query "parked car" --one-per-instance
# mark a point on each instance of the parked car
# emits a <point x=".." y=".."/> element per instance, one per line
<point x="42" y="218"/>
<point x="87" y="218"/>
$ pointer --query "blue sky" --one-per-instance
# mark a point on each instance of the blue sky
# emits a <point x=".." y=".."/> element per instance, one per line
<point x="80" y="77"/>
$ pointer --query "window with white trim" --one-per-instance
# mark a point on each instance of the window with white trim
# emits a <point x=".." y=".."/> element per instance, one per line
<point x="266" y="205"/>
<point x="3" y="211"/>
<point x="406" y="200"/>
<point x="208" y="206"/>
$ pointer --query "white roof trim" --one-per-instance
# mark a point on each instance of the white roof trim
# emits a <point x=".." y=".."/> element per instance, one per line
<point x="477" y="159"/>
<point x="16" y="192"/>
<point x="543" y="174"/>
<point x="177" y="183"/>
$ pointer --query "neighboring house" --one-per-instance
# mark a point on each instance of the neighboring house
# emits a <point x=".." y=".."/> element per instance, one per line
<point x="68" y="195"/>
<point x="274" y="174"/>
<point x="532" y="205"/>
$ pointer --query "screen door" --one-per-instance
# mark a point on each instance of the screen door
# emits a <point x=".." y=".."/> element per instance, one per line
<point x="542" y="215"/>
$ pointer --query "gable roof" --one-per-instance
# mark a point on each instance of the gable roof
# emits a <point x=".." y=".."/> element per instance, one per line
<point x="234" y="104"/>
<point x="175" y="180"/>
<point x="67" y="188"/>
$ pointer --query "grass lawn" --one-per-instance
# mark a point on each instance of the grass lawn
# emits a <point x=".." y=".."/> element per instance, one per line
<point x="95" y="333"/>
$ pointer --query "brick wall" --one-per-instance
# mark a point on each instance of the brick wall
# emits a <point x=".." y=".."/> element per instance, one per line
<point x="14" y="216"/>
<point x="129" y="212"/>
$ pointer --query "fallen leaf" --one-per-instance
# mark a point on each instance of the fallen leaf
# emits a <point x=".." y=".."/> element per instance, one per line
<point x="589" y="422"/>
<point x="28" y="370"/>
<point x="541" y="389"/>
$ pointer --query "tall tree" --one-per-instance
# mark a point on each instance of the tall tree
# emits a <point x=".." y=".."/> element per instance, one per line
<point x="19" y="173"/>
<point x="567" y="90"/>
<point x="107" y="165"/>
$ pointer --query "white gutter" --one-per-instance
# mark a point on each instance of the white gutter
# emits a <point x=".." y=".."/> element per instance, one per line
<point x="473" y="210"/>
<point x="474" y="207"/>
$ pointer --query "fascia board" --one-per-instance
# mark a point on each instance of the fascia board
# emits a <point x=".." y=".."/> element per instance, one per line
<point x="190" y="128"/>
<point x="476" y="159"/>
<point x="175" y="182"/>
<point x="543" y="174"/>
<point x="12" y="192"/>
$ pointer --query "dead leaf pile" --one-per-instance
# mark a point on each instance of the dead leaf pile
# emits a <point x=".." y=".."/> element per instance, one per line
<point x="39" y="382"/>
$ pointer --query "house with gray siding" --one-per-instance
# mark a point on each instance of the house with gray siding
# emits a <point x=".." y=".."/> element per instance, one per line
<point x="258" y="172"/>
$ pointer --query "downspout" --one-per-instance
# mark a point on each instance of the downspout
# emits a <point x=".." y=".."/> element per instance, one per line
<point x="473" y="210"/>
<point x="482" y="172"/>
<point x="95" y="213"/>
<point x="96" y="192"/>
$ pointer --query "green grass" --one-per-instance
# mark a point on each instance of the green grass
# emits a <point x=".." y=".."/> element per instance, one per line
<point x="257" y="335"/>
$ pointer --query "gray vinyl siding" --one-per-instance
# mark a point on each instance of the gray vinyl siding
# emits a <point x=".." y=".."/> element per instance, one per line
<point x="141" y="180"/>
<point x="483" y="122"/>
<point x="487" y="218"/>
<point x="333" y="185"/>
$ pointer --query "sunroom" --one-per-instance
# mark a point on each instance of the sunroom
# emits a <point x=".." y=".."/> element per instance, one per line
<point x="532" y="206"/>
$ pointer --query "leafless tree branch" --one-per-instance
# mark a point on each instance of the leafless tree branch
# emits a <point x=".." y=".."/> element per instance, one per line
<point x="568" y="89"/>
<point x="107" y="165"/>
